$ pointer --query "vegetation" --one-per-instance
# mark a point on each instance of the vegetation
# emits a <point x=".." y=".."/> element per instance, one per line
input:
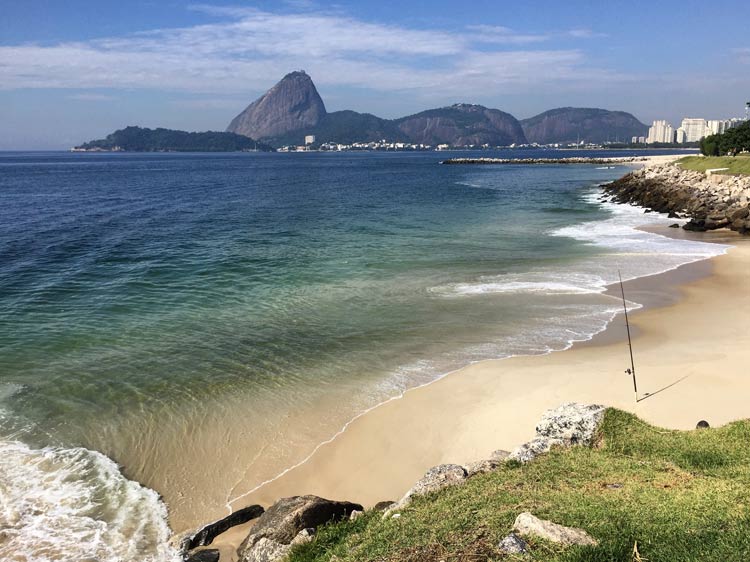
<point x="734" y="164"/>
<point x="732" y="142"/>
<point x="678" y="496"/>
<point x="138" y="139"/>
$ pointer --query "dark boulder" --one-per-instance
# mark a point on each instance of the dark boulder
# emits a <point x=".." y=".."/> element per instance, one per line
<point x="382" y="506"/>
<point x="285" y="520"/>
<point x="206" y="535"/>
<point x="208" y="555"/>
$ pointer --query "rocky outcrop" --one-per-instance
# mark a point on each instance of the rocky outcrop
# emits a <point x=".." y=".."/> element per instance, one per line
<point x="573" y="423"/>
<point x="710" y="202"/>
<point x="462" y="125"/>
<point x="291" y="105"/>
<point x="206" y="534"/>
<point x="573" y="124"/>
<point x="564" y="426"/>
<point x="437" y="478"/>
<point x="482" y="467"/>
<point x="288" y="522"/>
<point x="528" y="524"/>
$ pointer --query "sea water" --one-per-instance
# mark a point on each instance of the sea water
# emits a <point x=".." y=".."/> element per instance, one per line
<point x="161" y="312"/>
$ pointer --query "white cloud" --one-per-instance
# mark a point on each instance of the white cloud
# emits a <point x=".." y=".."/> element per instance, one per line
<point x="247" y="50"/>
<point x="91" y="96"/>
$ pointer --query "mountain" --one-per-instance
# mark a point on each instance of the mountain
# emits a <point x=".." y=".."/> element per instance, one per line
<point x="293" y="109"/>
<point x="291" y="105"/>
<point x="345" y="127"/>
<point x="138" y="139"/>
<point x="461" y="125"/>
<point x="569" y="124"/>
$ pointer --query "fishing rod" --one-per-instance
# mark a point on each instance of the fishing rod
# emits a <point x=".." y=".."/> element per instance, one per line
<point x="630" y="371"/>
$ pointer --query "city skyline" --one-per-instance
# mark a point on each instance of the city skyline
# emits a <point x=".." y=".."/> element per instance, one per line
<point x="75" y="72"/>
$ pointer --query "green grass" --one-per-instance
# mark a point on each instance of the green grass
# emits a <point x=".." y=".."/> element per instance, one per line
<point x="682" y="496"/>
<point x="736" y="164"/>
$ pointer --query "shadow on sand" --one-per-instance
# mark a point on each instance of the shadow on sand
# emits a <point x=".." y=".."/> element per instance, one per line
<point x="650" y="394"/>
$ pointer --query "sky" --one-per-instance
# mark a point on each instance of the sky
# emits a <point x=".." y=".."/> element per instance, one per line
<point x="75" y="70"/>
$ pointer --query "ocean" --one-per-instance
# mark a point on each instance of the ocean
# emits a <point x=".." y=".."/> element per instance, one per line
<point x="178" y="329"/>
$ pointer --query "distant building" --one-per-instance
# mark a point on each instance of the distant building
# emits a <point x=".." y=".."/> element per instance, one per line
<point x="695" y="129"/>
<point x="679" y="136"/>
<point x="660" y="131"/>
<point x="309" y="139"/>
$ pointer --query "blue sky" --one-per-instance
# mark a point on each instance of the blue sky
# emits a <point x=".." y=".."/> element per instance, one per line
<point x="76" y="70"/>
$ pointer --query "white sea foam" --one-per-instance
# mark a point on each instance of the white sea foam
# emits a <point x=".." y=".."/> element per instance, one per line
<point x="537" y="282"/>
<point x="75" y="504"/>
<point x="625" y="247"/>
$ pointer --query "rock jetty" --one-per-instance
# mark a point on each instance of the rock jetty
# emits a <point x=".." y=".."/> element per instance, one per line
<point x="571" y="160"/>
<point x="710" y="201"/>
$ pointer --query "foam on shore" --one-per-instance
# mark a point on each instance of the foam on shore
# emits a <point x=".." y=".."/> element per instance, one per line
<point x="75" y="504"/>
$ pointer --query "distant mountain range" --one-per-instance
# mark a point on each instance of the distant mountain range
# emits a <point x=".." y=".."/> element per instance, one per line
<point x="293" y="108"/>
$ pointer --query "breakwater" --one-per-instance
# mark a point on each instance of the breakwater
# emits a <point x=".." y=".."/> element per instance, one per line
<point x="708" y="201"/>
<point x="570" y="160"/>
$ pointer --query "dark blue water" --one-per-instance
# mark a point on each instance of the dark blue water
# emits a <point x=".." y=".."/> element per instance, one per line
<point x="158" y="306"/>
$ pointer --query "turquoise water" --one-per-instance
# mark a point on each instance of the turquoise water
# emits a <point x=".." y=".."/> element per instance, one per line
<point x="166" y="306"/>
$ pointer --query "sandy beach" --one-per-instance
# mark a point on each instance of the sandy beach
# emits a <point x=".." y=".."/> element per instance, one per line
<point x="691" y="353"/>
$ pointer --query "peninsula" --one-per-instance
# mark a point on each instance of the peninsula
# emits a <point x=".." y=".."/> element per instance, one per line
<point x="139" y="139"/>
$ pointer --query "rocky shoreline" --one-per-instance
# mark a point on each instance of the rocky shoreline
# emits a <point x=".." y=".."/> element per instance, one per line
<point x="709" y="201"/>
<point x="292" y="521"/>
<point x="570" y="160"/>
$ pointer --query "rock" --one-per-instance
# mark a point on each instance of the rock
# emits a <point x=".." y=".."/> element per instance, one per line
<point x="274" y="533"/>
<point x="207" y="555"/>
<point x="306" y="535"/>
<point x="703" y="424"/>
<point x="292" y="104"/>
<point x="574" y="423"/>
<point x="205" y="535"/>
<point x="499" y="455"/>
<point x="670" y="189"/>
<point x="738" y="213"/>
<point x="513" y="544"/>
<point x="674" y="225"/>
<point x="528" y="524"/>
<point x="530" y="450"/>
<point x="566" y="425"/>
<point x="437" y="478"/>
<point x="356" y="514"/>
<point x="481" y="467"/>
<point x="384" y="505"/>
<point x="695" y="225"/>
<point x="266" y="550"/>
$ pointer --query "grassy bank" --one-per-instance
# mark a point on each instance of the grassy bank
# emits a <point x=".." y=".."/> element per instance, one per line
<point x="736" y="164"/>
<point x="681" y="496"/>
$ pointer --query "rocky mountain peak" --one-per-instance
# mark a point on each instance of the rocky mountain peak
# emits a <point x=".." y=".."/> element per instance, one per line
<point x="292" y="104"/>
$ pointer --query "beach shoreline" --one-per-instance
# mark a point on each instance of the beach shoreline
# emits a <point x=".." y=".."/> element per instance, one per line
<point x="494" y="404"/>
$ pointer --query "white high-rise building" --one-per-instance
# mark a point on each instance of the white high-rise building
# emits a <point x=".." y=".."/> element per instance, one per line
<point x="679" y="136"/>
<point x="660" y="131"/>
<point x="695" y="129"/>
